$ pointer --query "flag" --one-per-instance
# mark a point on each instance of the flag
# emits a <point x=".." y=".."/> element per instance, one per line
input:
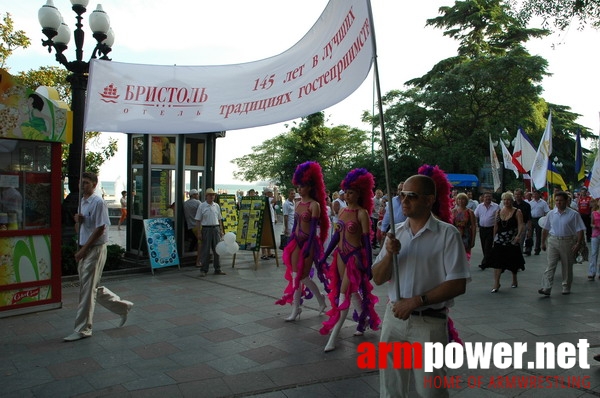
<point x="495" y="166"/>
<point x="508" y="164"/>
<point x="594" y="186"/>
<point x="588" y="178"/>
<point x="579" y="166"/>
<point x="554" y="176"/>
<point x="540" y="165"/>
<point x="524" y="152"/>
<point x="594" y="176"/>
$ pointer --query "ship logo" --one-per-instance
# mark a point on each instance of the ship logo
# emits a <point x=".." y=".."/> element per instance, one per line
<point x="110" y="94"/>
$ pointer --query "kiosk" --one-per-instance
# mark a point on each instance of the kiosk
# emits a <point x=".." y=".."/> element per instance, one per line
<point x="32" y="130"/>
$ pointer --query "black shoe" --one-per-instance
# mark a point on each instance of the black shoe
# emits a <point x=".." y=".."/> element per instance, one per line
<point x="537" y="253"/>
<point x="527" y="253"/>
<point x="545" y="292"/>
<point x="219" y="272"/>
<point x="482" y="266"/>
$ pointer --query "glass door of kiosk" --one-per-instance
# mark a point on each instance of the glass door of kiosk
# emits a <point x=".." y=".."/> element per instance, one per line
<point x="153" y="183"/>
<point x="194" y="169"/>
<point x="163" y="171"/>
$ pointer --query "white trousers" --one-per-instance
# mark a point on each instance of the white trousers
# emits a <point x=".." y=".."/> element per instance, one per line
<point x="559" y="250"/>
<point x="90" y="271"/>
<point x="395" y="382"/>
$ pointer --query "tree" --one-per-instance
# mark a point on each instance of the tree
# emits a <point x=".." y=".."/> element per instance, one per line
<point x="560" y="13"/>
<point x="56" y="77"/>
<point x="337" y="149"/>
<point x="446" y="116"/>
<point x="10" y="39"/>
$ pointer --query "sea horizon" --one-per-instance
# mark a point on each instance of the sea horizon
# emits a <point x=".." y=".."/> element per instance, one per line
<point x="110" y="188"/>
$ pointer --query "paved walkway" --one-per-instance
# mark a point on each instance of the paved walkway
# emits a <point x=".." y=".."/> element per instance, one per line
<point x="222" y="336"/>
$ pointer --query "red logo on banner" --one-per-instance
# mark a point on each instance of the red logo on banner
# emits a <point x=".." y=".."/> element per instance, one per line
<point x="110" y="94"/>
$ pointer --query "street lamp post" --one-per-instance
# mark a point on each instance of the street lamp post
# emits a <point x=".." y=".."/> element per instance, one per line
<point x="58" y="34"/>
<point x="557" y="165"/>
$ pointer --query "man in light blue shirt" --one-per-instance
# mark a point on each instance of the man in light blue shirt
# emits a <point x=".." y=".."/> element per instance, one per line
<point x="398" y="215"/>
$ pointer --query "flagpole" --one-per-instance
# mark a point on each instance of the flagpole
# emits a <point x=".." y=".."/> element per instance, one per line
<point x="384" y="145"/>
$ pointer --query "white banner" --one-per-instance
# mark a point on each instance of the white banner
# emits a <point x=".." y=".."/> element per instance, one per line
<point x="324" y="67"/>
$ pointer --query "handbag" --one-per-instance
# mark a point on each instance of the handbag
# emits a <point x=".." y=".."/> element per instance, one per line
<point x="582" y="255"/>
<point x="283" y="241"/>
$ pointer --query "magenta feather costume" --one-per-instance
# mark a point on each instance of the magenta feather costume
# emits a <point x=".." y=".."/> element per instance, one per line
<point x="442" y="210"/>
<point x="357" y="259"/>
<point x="309" y="244"/>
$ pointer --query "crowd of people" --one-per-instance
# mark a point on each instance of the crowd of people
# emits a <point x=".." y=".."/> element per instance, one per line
<point x="424" y="276"/>
<point x="524" y="223"/>
<point x="425" y="234"/>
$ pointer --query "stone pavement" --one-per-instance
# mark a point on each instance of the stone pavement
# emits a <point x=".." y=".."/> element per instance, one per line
<point x="222" y="336"/>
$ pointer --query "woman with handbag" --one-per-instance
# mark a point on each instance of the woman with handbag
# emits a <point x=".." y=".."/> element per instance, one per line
<point x="506" y="251"/>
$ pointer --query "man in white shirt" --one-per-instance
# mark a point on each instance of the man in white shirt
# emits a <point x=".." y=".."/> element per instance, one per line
<point x="210" y="222"/>
<point x="92" y="224"/>
<point x="486" y="218"/>
<point x="432" y="270"/>
<point x="539" y="208"/>
<point x="563" y="235"/>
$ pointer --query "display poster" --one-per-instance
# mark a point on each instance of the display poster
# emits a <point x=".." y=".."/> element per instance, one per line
<point x="24" y="259"/>
<point x="32" y="115"/>
<point x="251" y="216"/>
<point x="160" y="238"/>
<point x="229" y="212"/>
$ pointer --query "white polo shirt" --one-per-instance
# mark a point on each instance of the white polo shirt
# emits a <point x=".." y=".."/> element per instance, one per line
<point x="428" y="258"/>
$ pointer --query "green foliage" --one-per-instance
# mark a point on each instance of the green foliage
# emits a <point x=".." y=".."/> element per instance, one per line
<point x="10" y="39"/>
<point x="51" y="76"/>
<point x="560" y="13"/>
<point x="483" y="27"/>
<point x="114" y="254"/>
<point x="446" y="116"/>
<point x="338" y="149"/>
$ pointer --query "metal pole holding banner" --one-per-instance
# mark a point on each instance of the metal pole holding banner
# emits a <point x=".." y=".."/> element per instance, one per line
<point x="384" y="145"/>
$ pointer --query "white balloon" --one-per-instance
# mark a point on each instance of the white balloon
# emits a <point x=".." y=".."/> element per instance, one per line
<point x="221" y="248"/>
<point x="232" y="248"/>
<point x="542" y="221"/>
<point x="229" y="237"/>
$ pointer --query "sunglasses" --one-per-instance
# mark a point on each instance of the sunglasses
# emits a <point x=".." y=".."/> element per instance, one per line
<point x="409" y="195"/>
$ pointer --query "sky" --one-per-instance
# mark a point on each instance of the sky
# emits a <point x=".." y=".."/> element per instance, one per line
<point x="203" y="32"/>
